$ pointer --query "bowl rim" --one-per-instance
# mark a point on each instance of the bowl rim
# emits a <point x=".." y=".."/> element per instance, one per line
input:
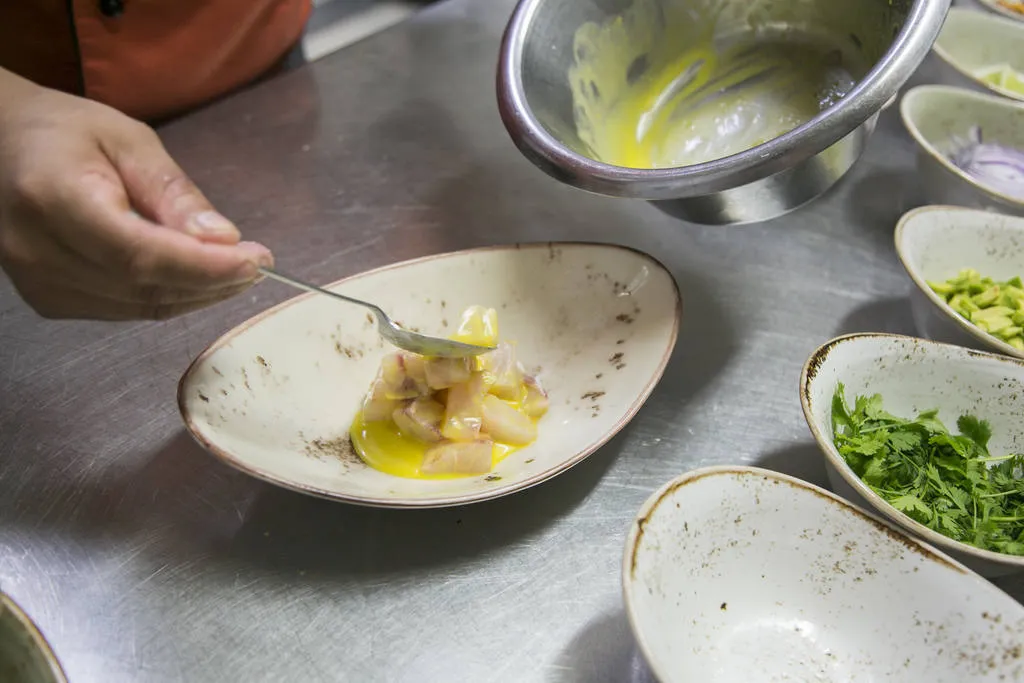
<point x="906" y="225"/>
<point x="650" y="505"/>
<point x="992" y="6"/>
<point x="962" y="14"/>
<point x="873" y="91"/>
<point x="987" y="98"/>
<point x="807" y="377"/>
<point x="449" y="500"/>
<point x="7" y="603"/>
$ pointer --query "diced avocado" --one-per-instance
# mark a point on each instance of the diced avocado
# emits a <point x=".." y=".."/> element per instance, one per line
<point x="1013" y="297"/>
<point x="988" y="297"/>
<point x="992" y="311"/>
<point x="995" y="307"/>
<point x="1016" y="342"/>
<point x="963" y="305"/>
<point x="991" y="320"/>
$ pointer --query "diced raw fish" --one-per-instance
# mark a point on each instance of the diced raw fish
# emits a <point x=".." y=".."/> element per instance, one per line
<point x="535" y="403"/>
<point x="472" y="457"/>
<point x="505" y="372"/>
<point x="479" y="325"/>
<point x="464" y="410"/>
<point x="505" y="424"/>
<point x="415" y="368"/>
<point x="397" y="380"/>
<point x="420" y="419"/>
<point x="377" y="407"/>
<point x="442" y="373"/>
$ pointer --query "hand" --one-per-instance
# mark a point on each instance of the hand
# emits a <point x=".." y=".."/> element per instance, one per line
<point x="97" y="221"/>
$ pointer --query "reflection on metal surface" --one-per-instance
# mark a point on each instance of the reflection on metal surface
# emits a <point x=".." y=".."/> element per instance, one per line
<point x="143" y="559"/>
<point x="339" y="23"/>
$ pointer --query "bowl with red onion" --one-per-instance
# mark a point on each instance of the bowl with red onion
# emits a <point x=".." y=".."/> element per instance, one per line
<point x="970" y="147"/>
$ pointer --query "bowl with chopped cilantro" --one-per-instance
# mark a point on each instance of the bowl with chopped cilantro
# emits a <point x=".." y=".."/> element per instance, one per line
<point x="931" y="435"/>
<point x="967" y="268"/>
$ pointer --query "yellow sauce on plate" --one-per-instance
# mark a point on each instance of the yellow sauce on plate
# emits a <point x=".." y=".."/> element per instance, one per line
<point x="384" y="448"/>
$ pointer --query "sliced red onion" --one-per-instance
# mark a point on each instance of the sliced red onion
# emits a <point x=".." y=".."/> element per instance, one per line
<point x="997" y="167"/>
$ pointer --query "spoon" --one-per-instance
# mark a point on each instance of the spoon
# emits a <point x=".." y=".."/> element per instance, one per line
<point x="390" y="330"/>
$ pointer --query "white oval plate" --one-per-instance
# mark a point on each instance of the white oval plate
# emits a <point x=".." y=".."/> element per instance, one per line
<point x="971" y="41"/>
<point x="935" y="243"/>
<point x="738" y="574"/>
<point x="914" y="375"/>
<point x="275" y="397"/>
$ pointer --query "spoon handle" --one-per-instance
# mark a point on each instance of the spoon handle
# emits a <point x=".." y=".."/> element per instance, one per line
<point x="294" y="282"/>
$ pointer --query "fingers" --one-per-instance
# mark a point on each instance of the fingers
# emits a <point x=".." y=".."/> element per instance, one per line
<point x="32" y="256"/>
<point x="95" y="221"/>
<point x="158" y="188"/>
<point x="99" y="222"/>
<point x="59" y="303"/>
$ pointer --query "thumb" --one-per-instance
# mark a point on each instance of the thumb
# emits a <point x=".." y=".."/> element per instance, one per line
<point x="159" y="189"/>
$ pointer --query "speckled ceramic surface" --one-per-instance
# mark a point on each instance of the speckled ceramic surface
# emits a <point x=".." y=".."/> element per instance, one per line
<point x="25" y="656"/>
<point x="934" y="243"/>
<point x="913" y="375"/>
<point x="275" y="397"/>
<point x="972" y="42"/>
<point x="735" y="575"/>
<point x="994" y="6"/>
<point x="934" y="115"/>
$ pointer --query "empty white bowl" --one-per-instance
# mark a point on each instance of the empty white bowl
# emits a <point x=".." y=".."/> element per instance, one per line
<point x="936" y="114"/>
<point x="737" y="574"/>
<point x="913" y="375"/>
<point x="934" y="243"/>
<point x="276" y="396"/>
<point x="972" y="42"/>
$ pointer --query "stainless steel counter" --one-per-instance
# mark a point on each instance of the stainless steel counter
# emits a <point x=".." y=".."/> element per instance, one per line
<point x="144" y="559"/>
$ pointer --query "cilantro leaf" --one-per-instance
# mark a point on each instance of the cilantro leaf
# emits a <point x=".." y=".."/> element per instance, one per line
<point x="947" y="481"/>
<point x="978" y="430"/>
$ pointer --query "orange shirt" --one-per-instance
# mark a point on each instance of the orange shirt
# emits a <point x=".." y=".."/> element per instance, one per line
<point x="148" y="58"/>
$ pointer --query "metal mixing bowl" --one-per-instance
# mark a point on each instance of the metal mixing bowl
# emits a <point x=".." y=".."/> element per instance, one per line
<point x="535" y="98"/>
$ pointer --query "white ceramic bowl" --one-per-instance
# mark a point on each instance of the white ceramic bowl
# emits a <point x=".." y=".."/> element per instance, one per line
<point x="737" y="574"/>
<point x="913" y="375"/>
<point x="935" y="243"/>
<point x="934" y="115"/>
<point x="996" y="7"/>
<point x="275" y="397"/>
<point x="25" y="656"/>
<point x="973" y="41"/>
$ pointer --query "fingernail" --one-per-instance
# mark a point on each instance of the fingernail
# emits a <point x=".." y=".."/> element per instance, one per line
<point x="257" y="253"/>
<point x="212" y="224"/>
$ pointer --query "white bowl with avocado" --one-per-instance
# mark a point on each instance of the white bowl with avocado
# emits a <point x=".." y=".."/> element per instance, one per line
<point x="982" y="51"/>
<point x="983" y="309"/>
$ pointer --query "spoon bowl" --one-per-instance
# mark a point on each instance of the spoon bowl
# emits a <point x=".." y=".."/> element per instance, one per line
<point x="413" y="342"/>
